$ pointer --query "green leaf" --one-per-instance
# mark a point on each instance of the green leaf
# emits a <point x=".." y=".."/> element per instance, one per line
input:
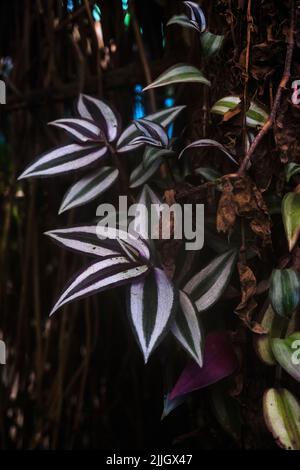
<point x="208" y="173"/>
<point x="285" y="291"/>
<point x="282" y="417"/>
<point x="291" y="169"/>
<point x="206" y="287"/>
<point x="179" y="73"/>
<point x="187" y="329"/>
<point x="151" y="154"/>
<point x="291" y="217"/>
<point x="211" y="44"/>
<point x="181" y="20"/>
<point x="141" y="174"/>
<point x="287" y="354"/>
<point x="256" y="116"/>
<point x="227" y="411"/>
<point x="275" y="325"/>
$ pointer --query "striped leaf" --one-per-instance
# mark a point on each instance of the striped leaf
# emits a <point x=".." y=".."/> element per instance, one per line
<point x="287" y="354"/>
<point x="182" y="20"/>
<point x="204" y="143"/>
<point x="291" y="170"/>
<point x="206" y="287"/>
<point x="64" y="159"/>
<point x="82" y="130"/>
<point x="186" y="328"/>
<point x="142" y="173"/>
<point x="164" y="117"/>
<point x="102" y="275"/>
<point x="154" y="131"/>
<point x="211" y="44"/>
<point x="197" y="16"/>
<point x="256" y="116"/>
<point x="98" y="240"/>
<point x="152" y="154"/>
<point x="97" y="110"/>
<point x="151" y="306"/>
<point x="282" y="417"/>
<point x="285" y="291"/>
<point x="179" y="73"/>
<point x="142" y="221"/>
<point x="144" y="140"/>
<point x="89" y="187"/>
<point x="274" y="325"/>
<point x="290" y="210"/>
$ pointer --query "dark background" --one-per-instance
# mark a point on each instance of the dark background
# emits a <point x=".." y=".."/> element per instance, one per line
<point x="78" y="381"/>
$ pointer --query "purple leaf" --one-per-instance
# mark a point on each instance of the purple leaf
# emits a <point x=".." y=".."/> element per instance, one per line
<point x="219" y="362"/>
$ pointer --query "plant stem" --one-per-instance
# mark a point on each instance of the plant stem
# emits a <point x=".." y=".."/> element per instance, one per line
<point x="285" y="78"/>
<point x="142" y="54"/>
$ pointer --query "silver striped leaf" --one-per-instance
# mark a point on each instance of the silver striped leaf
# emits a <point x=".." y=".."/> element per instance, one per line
<point x="164" y="117"/>
<point x="179" y="73"/>
<point x="151" y="305"/>
<point x="187" y="330"/>
<point x="204" y="143"/>
<point x="182" y="20"/>
<point x="142" y="221"/>
<point x="82" y="130"/>
<point x="97" y="110"/>
<point x="197" y="16"/>
<point x="207" y="286"/>
<point x="98" y="240"/>
<point x="285" y="291"/>
<point x="89" y="188"/>
<point x="211" y="44"/>
<point x="145" y="140"/>
<point x="64" y="159"/>
<point x="142" y="173"/>
<point x="151" y="154"/>
<point x="153" y="130"/>
<point x="105" y="274"/>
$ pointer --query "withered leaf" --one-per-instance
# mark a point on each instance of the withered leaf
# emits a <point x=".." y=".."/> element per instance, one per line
<point x="240" y="197"/>
<point x="248" y="304"/>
